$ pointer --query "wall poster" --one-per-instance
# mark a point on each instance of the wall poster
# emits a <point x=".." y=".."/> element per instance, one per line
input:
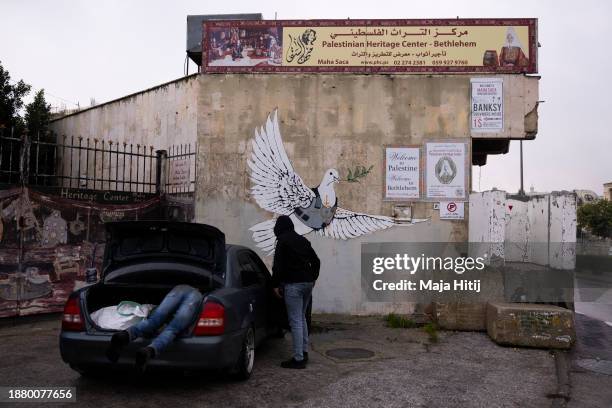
<point x="402" y="173"/>
<point x="445" y="169"/>
<point x="487" y="104"/>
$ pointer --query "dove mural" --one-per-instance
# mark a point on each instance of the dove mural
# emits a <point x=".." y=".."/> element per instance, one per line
<point x="277" y="188"/>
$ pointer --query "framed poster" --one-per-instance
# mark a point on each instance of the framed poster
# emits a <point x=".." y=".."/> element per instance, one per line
<point x="487" y="104"/>
<point x="445" y="170"/>
<point x="402" y="173"/>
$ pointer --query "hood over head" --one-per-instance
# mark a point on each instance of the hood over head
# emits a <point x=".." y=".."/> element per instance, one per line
<point x="283" y="225"/>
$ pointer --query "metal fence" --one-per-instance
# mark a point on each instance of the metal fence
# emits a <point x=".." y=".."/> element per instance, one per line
<point x="105" y="165"/>
<point x="61" y="161"/>
<point x="10" y="156"/>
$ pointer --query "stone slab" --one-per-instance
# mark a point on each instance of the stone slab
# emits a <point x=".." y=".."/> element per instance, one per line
<point x="530" y="325"/>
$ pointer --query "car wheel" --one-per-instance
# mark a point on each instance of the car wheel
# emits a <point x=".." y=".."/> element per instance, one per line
<point x="244" y="366"/>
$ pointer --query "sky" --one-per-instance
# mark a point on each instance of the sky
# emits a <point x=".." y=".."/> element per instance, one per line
<point x="79" y="50"/>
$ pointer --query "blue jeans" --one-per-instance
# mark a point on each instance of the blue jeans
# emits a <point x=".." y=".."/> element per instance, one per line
<point x="183" y="302"/>
<point x="297" y="296"/>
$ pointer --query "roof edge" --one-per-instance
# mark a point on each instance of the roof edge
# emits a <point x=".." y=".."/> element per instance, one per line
<point x="188" y="77"/>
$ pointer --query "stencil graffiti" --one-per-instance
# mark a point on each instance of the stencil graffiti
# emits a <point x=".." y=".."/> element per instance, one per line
<point x="277" y="188"/>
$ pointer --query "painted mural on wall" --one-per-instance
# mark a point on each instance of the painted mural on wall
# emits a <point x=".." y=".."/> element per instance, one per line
<point x="48" y="242"/>
<point x="277" y="188"/>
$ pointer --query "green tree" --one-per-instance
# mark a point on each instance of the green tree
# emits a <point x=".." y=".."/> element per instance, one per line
<point x="11" y="101"/>
<point x="596" y="217"/>
<point x="37" y="116"/>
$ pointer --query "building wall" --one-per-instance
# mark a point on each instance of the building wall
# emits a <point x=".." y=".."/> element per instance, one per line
<point x="159" y="117"/>
<point x="153" y="119"/>
<point x="326" y="121"/>
<point x="607" y="187"/>
<point x="538" y="229"/>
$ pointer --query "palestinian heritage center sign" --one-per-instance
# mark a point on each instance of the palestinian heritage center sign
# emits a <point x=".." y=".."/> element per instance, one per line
<point x="444" y="45"/>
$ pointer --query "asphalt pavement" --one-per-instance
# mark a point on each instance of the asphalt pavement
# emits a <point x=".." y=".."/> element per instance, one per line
<point x="401" y="368"/>
<point x="591" y="357"/>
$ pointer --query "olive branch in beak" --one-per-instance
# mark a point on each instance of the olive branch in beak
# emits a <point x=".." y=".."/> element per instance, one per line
<point x="358" y="173"/>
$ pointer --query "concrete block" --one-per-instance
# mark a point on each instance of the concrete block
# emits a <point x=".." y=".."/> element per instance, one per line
<point x="460" y="316"/>
<point x="530" y="325"/>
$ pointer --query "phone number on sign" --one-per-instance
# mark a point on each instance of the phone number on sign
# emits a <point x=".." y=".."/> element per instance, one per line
<point x="48" y="394"/>
<point x="449" y="62"/>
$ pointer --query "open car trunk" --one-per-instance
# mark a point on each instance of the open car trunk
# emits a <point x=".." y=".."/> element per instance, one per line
<point x="100" y="296"/>
<point x="144" y="260"/>
<point x="104" y="295"/>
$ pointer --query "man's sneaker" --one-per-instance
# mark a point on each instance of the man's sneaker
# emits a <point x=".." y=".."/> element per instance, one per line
<point x="305" y="354"/>
<point x="142" y="358"/>
<point x="118" y="341"/>
<point x="293" y="363"/>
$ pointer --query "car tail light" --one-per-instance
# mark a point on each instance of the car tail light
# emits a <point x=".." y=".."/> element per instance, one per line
<point x="211" y="321"/>
<point x="72" y="320"/>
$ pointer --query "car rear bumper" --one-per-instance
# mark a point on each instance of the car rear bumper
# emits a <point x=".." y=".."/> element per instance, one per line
<point x="85" y="350"/>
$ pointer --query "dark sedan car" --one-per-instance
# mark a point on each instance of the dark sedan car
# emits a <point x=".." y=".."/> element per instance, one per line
<point x="142" y="262"/>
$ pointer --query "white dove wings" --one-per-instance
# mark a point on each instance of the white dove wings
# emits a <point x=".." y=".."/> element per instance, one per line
<point x="279" y="189"/>
<point x="276" y="186"/>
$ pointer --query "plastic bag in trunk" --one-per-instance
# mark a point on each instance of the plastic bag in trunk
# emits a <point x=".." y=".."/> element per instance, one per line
<point x="121" y="316"/>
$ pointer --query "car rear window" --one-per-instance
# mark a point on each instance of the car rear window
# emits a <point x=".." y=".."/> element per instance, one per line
<point x="156" y="241"/>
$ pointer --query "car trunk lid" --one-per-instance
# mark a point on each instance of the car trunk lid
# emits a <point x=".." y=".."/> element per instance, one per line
<point x="152" y="248"/>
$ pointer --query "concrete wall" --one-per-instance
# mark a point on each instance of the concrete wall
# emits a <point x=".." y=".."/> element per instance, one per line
<point x="535" y="229"/>
<point x="159" y="117"/>
<point x="156" y="118"/>
<point x="326" y="121"/>
<point x="607" y="194"/>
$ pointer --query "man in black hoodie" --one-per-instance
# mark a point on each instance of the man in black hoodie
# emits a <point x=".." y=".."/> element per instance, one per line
<point x="295" y="269"/>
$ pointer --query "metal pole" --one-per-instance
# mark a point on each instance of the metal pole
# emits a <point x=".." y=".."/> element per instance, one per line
<point x="160" y="177"/>
<point x="522" y="190"/>
<point x="24" y="160"/>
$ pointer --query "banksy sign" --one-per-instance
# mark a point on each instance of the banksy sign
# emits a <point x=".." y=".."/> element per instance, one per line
<point x="445" y="170"/>
<point x="487" y="104"/>
<point x="402" y="173"/>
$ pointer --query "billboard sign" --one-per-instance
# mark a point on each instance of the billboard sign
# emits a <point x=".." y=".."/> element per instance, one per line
<point x="446" y="45"/>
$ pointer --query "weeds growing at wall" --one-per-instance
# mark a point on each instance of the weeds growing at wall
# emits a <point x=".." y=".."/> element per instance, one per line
<point x="399" y="322"/>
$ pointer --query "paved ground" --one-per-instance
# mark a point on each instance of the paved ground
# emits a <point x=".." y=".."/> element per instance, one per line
<point x="591" y="364"/>
<point x="461" y="370"/>
<point x="591" y="358"/>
